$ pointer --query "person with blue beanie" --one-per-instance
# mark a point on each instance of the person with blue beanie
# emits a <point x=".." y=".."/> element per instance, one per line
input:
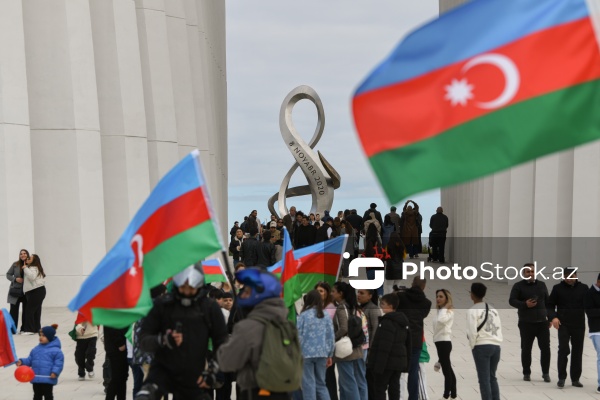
<point x="47" y="361"/>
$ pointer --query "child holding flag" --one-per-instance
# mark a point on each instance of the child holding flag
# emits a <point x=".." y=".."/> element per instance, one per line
<point x="47" y="361"/>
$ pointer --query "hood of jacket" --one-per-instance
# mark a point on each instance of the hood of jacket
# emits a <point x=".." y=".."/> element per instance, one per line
<point x="396" y="317"/>
<point x="270" y="308"/>
<point x="53" y="343"/>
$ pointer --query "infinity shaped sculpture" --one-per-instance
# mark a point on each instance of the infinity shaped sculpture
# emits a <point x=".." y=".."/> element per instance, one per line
<point x="322" y="178"/>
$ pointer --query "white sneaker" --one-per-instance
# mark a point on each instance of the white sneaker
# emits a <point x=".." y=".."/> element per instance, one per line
<point x="27" y="333"/>
<point x="437" y="366"/>
<point x="81" y="378"/>
<point x="91" y="374"/>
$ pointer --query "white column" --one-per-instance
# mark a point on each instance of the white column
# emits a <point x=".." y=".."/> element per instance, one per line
<point x="585" y="211"/>
<point x="16" y="188"/>
<point x="501" y="192"/>
<point x="552" y="210"/>
<point x="122" y="114"/>
<point x="487" y="225"/>
<point x="163" y="152"/>
<point x="181" y="75"/>
<point x="66" y="150"/>
<point x="520" y="214"/>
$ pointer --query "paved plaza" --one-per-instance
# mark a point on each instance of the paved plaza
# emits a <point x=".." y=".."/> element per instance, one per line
<point x="509" y="371"/>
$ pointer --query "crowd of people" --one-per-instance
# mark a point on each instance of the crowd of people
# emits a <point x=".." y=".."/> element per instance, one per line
<point x="203" y="341"/>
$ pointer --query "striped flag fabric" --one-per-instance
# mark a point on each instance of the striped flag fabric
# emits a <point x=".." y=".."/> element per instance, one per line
<point x="514" y="81"/>
<point x="213" y="271"/>
<point x="8" y="354"/>
<point x="173" y="229"/>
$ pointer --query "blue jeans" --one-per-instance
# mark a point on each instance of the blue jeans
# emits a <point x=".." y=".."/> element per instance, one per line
<point x="352" y="383"/>
<point x="596" y="341"/>
<point x="413" y="374"/>
<point x="486" y="358"/>
<point x="313" y="379"/>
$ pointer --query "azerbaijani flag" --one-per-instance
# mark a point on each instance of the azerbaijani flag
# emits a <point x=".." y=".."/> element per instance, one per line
<point x="8" y="354"/>
<point x="289" y="270"/>
<point x="320" y="262"/>
<point x="486" y="86"/>
<point x="213" y="271"/>
<point x="172" y="230"/>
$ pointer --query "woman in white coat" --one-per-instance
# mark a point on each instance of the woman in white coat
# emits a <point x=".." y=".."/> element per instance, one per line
<point x="442" y="337"/>
<point x="35" y="291"/>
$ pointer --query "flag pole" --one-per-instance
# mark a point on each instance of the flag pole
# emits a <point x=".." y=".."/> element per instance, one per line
<point x="337" y="276"/>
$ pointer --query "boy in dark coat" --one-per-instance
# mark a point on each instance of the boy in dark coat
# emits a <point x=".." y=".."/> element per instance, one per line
<point x="389" y="353"/>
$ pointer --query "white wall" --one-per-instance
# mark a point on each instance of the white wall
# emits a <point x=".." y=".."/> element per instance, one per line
<point x="98" y="100"/>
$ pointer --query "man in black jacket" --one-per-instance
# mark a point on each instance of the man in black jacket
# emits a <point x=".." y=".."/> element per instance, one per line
<point x="390" y="349"/>
<point x="177" y="331"/>
<point x="250" y="248"/>
<point x="592" y="309"/>
<point x="566" y="311"/>
<point x="416" y="307"/>
<point x="530" y="297"/>
<point x="305" y="234"/>
<point x="116" y="352"/>
<point x="266" y="252"/>
<point x="372" y="209"/>
<point x="437" y="238"/>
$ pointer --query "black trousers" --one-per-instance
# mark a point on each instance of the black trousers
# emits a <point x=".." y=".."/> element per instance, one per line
<point x="576" y="335"/>
<point x="33" y="311"/>
<point x="14" y="312"/>
<point x="119" y="372"/>
<point x="529" y="332"/>
<point x="438" y="242"/>
<point x="444" y="349"/>
<point x="387" y="381"/>
<point x="85" y="354"/>
<point x="42" y="391"/>
<point x="182" y="387"/>
<point x="331" y="382"/>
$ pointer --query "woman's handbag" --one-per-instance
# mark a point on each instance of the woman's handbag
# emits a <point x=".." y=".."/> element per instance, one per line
<point x="343" y="347"/>
<point x="16" y="291"/>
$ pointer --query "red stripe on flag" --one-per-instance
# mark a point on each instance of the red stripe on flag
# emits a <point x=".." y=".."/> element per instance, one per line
<point x="212" y="270"/>
<point x="399" y="115"/>
<point x="181" y="214"/>
<point x="319" y="263"/>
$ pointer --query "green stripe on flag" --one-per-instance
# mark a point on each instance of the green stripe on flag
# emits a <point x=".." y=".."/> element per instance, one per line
<point x="500" y="140"/>
<point x="179" y="252"/>
<point x="122" y="317"/>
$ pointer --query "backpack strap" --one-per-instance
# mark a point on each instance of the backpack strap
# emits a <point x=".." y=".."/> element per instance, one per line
<point x="487" y="311"/>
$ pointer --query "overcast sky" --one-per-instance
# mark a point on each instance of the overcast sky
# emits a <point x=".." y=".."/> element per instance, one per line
<point x="274" y="46"/>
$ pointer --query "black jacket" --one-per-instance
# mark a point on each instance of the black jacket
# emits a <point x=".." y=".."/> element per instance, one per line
<point x="266" y="255"/>
<point x="391" y="346"/>
<point x="305" y="236"/>
<point x="235" y="242"/>
<point x="525" y="290"/>
<point x="199" y="322"/>
<point x="592" y="309"/>
<point x="416" y="306"/>
<point x="249" y="252"/>
<point x="438" y="223"/>
<point x="113" y="339"/>
<point x="321" y="234"/>
<point x="356" y="221"/>
<point x="566" y="304"/>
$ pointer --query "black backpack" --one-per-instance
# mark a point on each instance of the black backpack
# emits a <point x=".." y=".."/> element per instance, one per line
<point x="355" y="329"/>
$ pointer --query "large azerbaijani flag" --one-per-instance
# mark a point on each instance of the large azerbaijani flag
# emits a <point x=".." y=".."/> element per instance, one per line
<point x="486" y="86"/>
<point x="172" y="230"/>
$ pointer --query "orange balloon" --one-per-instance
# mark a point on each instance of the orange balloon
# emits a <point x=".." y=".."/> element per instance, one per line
<point x="24" y="373"/>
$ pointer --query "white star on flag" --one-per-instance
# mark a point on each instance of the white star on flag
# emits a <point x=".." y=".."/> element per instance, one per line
<point x="132" y="271"/>
<point x="459" y="92"/>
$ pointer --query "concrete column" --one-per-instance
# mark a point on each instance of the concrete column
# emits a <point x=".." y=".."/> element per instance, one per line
<point x="65" y="140"/>
<point x="181" y="75"/>
<point x="122" y="113"/>
<point x="500" y="223"/>
<point x="487" y="223"/>
<point x="520" y="214"/>
<point x="552" y="209"/>
<point x="585" y="211"/>
<point x="163" y="152"/>
<point x="16" y="187"/>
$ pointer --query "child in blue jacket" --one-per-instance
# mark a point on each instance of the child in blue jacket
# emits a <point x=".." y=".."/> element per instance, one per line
<point x="47" y="360"/>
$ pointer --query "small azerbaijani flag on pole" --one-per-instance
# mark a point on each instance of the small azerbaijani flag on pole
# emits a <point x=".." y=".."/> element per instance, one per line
<point x="213" y="271"/>
<point x="486" y="86"/>
<point x="8" y="354"/>
<point x="173" y="229"/>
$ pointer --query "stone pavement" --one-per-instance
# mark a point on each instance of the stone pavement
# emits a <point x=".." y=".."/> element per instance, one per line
<point x="509" y="371"/>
